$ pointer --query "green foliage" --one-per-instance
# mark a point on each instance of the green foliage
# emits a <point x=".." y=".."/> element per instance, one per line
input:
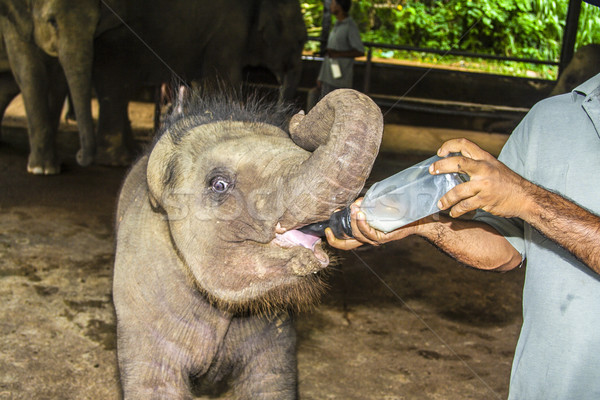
<point x="516" y="28"/>
<point x="313" y="17"/>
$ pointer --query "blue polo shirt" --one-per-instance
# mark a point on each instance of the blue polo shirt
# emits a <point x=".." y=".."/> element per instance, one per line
<point x="557" y="146"/>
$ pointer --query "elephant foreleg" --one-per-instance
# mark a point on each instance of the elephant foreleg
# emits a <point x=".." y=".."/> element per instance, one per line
<point x="29" y="68"/>
<point x="270" y="368"/>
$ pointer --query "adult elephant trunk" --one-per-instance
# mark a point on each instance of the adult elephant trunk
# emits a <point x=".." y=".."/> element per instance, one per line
<point x="77" y="65"/>
<point x="289" y="82"/>
<point x="343" y="132"/>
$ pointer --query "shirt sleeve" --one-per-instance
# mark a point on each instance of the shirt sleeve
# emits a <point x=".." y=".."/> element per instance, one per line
<point x="354" y="38"/>
<point x="513" y="229"/>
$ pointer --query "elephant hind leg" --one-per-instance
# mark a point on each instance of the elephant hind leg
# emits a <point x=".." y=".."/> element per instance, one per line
<point x="8" y="91"/>
<point x="44" y="144"/>
<point x="115" y="138"/>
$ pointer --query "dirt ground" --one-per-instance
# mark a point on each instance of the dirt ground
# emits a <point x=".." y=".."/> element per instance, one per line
<point x="401" y="321"/>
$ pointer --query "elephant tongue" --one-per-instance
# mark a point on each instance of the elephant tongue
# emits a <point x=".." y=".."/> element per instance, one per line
<point x="297" y="238"/>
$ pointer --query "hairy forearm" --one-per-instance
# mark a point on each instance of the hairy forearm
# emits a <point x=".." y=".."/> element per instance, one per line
<point x="572" y="227"/>
<point x="470" y="242"/>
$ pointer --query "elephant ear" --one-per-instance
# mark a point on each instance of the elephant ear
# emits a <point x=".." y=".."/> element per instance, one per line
<point x="160" y="171"/>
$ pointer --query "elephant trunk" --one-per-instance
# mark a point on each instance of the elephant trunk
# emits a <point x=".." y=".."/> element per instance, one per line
<point x="290" y="80"/>
<point x="77" y="65"/>
<point x="343" y="132"/>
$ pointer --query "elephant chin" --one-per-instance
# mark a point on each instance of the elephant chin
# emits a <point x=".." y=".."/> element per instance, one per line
<point x="297" y="295"/>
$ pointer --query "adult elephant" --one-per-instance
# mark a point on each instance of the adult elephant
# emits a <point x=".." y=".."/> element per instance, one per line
<point x="199" y="40"/>
<point x="192" y="39"/>
<point x="276" y="42"/>
<point x="43" y="101"/>
<point x="8" y="86"/>
<point x="30" y="29"/>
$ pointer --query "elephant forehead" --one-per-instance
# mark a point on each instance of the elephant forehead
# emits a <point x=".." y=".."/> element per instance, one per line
<point x="262" y="154"/>
<point x="227" y="130"/>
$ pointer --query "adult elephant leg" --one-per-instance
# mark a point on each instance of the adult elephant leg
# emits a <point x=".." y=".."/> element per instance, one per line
<point x="113" y="88"/>
<point x="114" y="132"/>
<point x="57" y="93"/>
<point x="8" y="91"/>
<point x="30" y="71"/>
<point x="289" y="83"/>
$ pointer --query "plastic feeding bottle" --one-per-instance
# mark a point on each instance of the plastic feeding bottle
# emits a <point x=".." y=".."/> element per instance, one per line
<point x="396" y="201"/>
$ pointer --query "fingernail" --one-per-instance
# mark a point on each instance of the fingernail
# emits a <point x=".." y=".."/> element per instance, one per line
<point x="361" y="215"/>
<point x="439" y="204"/>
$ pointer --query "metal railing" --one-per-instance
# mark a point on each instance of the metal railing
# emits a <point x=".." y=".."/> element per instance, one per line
<point x="370" y="46"/>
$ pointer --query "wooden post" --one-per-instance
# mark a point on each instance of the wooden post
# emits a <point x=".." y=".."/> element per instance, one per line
<point x="570" y="34"/>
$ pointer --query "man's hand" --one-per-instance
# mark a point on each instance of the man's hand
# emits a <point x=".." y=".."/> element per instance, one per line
<point x="471" y="242"/>
<point x="492" y="187"/>
<point x="498" y="190"/>
<point x="364" y="233"/>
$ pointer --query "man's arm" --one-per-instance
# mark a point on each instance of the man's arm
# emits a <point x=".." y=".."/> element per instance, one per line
<point x="474" y="243"/>
<point x="498" y="190"/>
<point x="494" y="188"/>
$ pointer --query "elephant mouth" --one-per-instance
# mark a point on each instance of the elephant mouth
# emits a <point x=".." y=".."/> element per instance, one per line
<point x="295" y="238"/>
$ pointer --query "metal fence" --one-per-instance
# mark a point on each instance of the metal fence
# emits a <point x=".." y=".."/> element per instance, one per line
<point x="370" y="46"/>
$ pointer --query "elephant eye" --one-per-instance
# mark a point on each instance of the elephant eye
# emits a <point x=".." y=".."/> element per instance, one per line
<point x="219" y="184"/>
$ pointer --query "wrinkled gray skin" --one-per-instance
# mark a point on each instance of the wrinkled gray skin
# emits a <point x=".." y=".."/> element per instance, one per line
<point x="208" y="261"/>
<point x="36" y="51"/>
<point x="276" y="41"/>
<point x="25" y="25"/>
<point x="584" y="65"/>
<point x="43" y="102"/>
<point x="209" y="40"/>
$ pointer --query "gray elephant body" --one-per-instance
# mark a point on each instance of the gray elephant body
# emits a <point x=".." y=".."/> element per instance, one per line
<point x="22" y="63"/>
<point x="584" y="65"/>
<point x="209" y="262"/>
<point x="30" y="32"/>
<point x="194" y="38"/>
<point x="171" y="338"/>
<point x="202" y="40"/>
<point x="8" y="86"/>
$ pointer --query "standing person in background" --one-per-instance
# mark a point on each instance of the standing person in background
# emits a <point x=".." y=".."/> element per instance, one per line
<point x="343" y="46"/>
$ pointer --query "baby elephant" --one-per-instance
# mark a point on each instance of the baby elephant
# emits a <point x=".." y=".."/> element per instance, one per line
<point x="209" y="263"/>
